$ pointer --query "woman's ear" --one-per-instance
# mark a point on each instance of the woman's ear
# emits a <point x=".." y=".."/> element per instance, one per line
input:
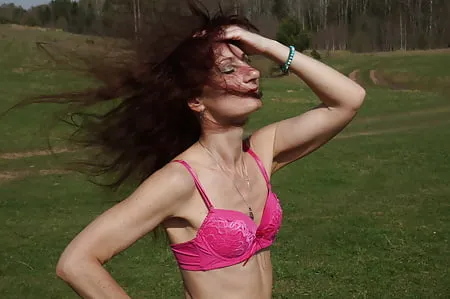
<point x="196" y="105"/>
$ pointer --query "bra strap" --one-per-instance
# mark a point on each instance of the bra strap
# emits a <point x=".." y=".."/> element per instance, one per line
<point x="260" y="165"/>
<point x="197" y="183"/>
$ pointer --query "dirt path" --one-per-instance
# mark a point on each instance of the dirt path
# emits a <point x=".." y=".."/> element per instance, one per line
<point x="424" y="112"/>
<point x="375" y="79"/>
<point x="14" y="175"/>
<point x="19" y="155"/>
<point x="392" y="130"/>
<point x="354" y="75"/>
<point x="378" y="80"/>
<point x="289" y="100"/>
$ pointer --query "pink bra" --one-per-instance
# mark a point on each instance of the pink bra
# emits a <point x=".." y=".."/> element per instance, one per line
<point x="228" y="237"/>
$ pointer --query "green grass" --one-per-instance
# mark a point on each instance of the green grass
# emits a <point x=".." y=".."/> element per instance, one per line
<point x="366" y="216"/>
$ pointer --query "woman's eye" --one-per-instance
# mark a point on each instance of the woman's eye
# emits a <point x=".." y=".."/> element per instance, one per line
<point x="228" y="70"/>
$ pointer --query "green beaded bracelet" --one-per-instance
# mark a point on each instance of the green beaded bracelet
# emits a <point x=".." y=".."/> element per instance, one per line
<point x="285" y="67"/>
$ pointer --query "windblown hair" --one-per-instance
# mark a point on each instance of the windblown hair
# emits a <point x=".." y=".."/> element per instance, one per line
<point x="149" y="122"/>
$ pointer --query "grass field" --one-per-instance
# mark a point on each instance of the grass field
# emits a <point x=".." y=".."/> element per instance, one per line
<point x="366" y="216"/>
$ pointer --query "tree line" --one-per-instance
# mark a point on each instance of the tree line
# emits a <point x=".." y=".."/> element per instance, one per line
<point x="356" y="25"/>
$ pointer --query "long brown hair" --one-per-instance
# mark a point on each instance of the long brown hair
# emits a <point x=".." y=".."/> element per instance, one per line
<point x="147" y="88"/>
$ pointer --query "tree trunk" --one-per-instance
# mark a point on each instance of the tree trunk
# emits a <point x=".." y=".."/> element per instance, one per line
<point x="401" y="30"/>
<point x="138" y="15"/>
<point x="135" y="18"/>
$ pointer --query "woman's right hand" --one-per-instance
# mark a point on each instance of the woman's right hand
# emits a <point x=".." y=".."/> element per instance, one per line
<point x="159" y="197"/>
<point x="249" y="42"/>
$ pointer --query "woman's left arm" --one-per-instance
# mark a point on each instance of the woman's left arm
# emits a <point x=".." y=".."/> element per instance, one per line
<point x="298" y="136"/>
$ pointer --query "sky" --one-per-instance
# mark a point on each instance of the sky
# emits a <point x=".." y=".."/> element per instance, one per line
<point x="25" y="3"/>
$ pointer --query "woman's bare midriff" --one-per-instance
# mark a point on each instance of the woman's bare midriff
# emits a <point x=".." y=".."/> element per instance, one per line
<point x="251" y="280"/>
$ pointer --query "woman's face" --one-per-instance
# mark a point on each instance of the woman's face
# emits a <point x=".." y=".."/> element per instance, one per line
<point x="234" y="91"/>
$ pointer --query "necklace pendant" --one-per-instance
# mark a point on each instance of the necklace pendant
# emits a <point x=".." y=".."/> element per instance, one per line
<point x="250" y="213"/>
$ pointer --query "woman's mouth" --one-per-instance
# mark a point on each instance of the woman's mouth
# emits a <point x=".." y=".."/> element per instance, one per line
<point x="256" y="93"/>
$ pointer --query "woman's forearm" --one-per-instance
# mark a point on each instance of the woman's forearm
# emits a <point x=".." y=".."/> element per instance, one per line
<point x="90" y="280"/>
<point x="333" y="88"/>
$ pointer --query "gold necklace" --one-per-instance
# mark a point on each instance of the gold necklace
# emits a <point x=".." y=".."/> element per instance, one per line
<point x="244" y="170"/>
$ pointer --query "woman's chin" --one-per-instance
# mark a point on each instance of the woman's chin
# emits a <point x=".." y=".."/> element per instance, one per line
<point x="253" y="105"/>
<point x="257" y="102"/>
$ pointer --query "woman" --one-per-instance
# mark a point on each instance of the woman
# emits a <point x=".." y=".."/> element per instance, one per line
<point x="210" y="191"/>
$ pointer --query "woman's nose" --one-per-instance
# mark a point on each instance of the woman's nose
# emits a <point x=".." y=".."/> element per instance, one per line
<point x="251" y="75"/>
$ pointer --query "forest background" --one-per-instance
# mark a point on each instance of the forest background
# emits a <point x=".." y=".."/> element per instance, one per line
<point x="354" y="25"/>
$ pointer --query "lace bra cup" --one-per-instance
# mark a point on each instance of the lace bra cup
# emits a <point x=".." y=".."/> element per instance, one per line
<point x="228" y="237"/>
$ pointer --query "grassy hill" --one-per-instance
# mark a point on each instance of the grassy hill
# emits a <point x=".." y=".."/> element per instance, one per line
<point x="366" y="216"/>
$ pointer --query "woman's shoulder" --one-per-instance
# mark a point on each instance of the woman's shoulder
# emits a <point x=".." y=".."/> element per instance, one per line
<point x="191" y="158"/>
<point x="171" y="181"/>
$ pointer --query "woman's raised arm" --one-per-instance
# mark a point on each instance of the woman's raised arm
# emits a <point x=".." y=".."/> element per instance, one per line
<point x="341" y="98"/>
<point x="285" y="141"/>
<point x="159" y="197"/>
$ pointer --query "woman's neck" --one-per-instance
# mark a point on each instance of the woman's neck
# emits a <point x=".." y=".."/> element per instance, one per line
<point x="226" y="146"/>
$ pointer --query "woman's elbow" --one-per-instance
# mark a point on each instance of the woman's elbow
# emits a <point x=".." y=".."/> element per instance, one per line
<point x="71" y="266"/>
<point x="357" y="99"/>
<point x="361" y="95"/>
<point x="66" y="267"/>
